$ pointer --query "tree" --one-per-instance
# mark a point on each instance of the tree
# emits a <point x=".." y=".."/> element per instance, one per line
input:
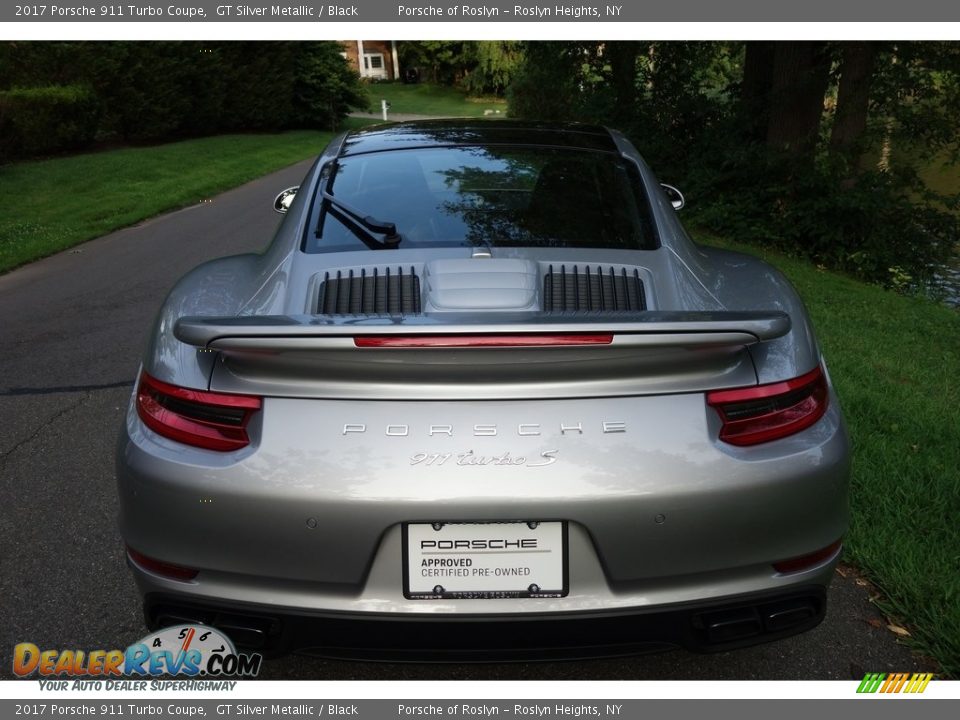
<point x="550" y="83"/>
<point x="443" y="62"/>
<point x="755" y="88"/>
<point x="915" y="88"/>
<point x="325" y="87"/>
<point x="799" y="78"/>
<point x="494" y="64"/>
<point x="623" y="55"/>
<point x="853" y="101"/>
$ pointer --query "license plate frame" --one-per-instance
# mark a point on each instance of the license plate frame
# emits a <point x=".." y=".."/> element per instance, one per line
<point x="543" y="545"/>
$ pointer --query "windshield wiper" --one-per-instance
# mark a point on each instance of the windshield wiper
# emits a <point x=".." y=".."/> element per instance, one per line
<point x="362" y="225"/>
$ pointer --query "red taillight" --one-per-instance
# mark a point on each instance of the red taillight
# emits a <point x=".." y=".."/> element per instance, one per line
<point x="214" y="421"/>
<point x="767" y="412"/>
<point x="456" y="341"/>
<point x="158" y="567"/>
<point x="805" y="562"/>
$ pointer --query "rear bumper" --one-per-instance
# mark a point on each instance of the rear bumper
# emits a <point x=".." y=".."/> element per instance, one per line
<point x="727" y="624"/>
<point x="704" y="613"/>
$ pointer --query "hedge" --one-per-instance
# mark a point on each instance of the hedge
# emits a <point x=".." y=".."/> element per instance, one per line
<point x="46" y="120"/>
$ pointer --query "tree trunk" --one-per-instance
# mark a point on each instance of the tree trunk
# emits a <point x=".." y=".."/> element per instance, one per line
<point x="800" y="74"/>
<point x="755" y="89"/>
<point x="853" y="99"/>
<point x="623" y="70"/>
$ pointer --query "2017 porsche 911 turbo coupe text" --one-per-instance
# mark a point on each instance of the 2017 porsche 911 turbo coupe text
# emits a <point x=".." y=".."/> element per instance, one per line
<point x="482" y="397"/>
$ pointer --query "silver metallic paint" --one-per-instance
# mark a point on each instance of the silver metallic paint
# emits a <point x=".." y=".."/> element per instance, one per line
<point x="242" y="517"/>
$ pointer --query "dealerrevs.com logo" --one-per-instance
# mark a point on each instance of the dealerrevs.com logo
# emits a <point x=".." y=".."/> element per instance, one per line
<point x="184" y="650"/>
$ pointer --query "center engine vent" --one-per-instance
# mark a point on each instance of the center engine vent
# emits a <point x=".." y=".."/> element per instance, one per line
<point x="379" y="291"/>
<point x="571" y="288"/>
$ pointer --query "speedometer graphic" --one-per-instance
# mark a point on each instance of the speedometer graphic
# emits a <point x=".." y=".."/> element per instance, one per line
<point x="188" y="650"/>
<point x="184" y="638"/>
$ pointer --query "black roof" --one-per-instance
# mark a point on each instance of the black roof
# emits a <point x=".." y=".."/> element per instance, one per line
<point x="441" y="133"/>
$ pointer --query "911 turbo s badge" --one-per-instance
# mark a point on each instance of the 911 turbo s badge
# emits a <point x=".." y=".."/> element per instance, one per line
<point x="522" y="429"/>
<point x="472" y="459"/>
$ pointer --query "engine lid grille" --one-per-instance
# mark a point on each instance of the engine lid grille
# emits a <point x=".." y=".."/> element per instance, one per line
<point x="376" y="291"/>
<point x="571" y="288"/>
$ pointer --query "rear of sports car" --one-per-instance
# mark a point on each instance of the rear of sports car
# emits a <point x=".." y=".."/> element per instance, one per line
<point x="475" y="452"/>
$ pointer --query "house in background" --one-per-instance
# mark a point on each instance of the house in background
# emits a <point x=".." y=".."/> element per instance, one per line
<point x="374" y="59"/>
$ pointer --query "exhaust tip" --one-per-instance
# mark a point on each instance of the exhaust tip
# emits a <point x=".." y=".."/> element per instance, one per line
<point x="787" y="615"/>
<point x="247" y="632"/>
<point x="730" y="626"/>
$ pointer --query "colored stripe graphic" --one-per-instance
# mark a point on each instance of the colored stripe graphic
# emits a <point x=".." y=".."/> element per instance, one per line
<point x="894" y="683"/>
<point x="926" y="681"/>
<point x="891" y="684"/>
<point x="870" y="683"/>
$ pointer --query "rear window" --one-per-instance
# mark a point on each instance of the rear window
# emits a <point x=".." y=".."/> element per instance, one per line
<point x="499" y="196"/>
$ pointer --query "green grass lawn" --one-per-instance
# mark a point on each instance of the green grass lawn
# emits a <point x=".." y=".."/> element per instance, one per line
<point x="49" y="205"/>
<point x="427" y="99"/>
<point x="896" y="364"/>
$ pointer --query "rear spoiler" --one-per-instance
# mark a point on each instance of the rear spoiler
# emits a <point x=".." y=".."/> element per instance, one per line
<point x="283" y="333"/>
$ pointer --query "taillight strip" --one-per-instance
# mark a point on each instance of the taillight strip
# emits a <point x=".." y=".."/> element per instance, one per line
<point x="720" y="397"/>
<point x="201" y="396"/>
<point x="457" y="341"/>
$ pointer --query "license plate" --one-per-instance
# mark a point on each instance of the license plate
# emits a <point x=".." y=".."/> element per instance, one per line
<point x="485" y="560"/>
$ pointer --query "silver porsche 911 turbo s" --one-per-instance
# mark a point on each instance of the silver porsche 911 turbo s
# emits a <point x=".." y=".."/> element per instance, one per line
<point x="482" y="397"/>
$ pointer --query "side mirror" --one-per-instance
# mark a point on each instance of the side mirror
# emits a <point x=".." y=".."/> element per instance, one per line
<point x="284" y="200"/>
<point x="674" y="196"/>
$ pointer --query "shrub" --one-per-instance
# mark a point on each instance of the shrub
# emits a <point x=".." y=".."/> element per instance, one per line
<point x="884" y="227"/>
<point x="325" y="88"/>
<point x="46" y="120"/>
<point x="150" y="92"/>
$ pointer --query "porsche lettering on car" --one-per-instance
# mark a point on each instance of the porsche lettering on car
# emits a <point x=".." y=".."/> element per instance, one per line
<point x="483" y="397"/>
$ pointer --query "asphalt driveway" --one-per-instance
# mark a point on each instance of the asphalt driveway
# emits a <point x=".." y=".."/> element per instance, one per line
<point x="72" y="328"/>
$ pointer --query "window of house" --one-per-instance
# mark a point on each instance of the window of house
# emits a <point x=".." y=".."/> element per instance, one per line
<point x="373" y="61"/>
